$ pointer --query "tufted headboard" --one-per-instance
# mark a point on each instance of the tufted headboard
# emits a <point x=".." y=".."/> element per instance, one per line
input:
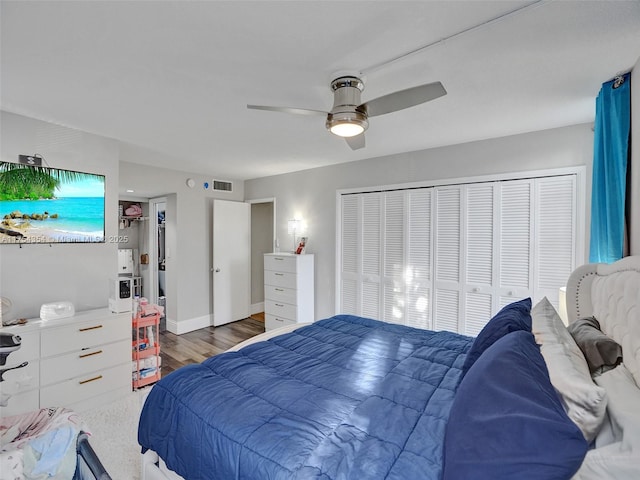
<point x="610" y="293"/>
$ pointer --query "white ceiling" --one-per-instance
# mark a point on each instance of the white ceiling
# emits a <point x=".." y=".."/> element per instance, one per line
<point x="176" y="76"/>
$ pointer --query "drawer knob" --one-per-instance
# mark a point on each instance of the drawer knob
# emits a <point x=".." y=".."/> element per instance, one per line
<point x="278" y="319"/>
<point x="90" y="354"/>
<point x="279" y="290"/>
<point x="279" y="274"/>
<point x="278" y="305"/>
<point x="89" y="328"/>
<point x="82" y="382"/>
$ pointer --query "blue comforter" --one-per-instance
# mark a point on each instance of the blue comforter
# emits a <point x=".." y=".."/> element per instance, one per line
<point x="343" y="398"/>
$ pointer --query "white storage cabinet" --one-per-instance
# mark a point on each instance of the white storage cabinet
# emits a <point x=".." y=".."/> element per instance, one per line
<point x="288" y="289"/>
<point x="78" y="362"/>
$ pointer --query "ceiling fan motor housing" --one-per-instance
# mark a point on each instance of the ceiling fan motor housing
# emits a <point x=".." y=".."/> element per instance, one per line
<point x="347" y="103"/>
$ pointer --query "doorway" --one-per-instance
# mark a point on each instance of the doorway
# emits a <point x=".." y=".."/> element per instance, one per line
<point x="263" y="240"/>
<point x="158" y="256"/>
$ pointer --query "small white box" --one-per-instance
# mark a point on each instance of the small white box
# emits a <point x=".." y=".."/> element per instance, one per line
<point x="120" y="295"/>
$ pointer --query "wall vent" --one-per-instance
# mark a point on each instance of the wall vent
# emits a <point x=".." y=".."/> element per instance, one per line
<point x="222" y="185"/>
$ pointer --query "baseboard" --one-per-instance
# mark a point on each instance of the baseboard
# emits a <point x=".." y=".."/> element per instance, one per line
<point x="256" y="308"/>
<point x="186" y="326"/>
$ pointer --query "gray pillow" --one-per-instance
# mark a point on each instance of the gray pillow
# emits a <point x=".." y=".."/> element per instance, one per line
<point x="601" y="352"/>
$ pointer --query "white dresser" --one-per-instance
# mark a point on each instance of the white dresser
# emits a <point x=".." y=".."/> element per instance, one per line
<point x="78" y="362"/>
<point x="288" y="289"/>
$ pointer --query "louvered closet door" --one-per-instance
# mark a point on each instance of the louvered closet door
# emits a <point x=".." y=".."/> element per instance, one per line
<point x="393" y="258"/>
<point x="351" y="214"/>
<point x="361" y="253"/>
<point x="555" y="215"/>
<point x="515" y="243"/>
<point x="447" y="257"/>
<point x="419" y="259"/>
<point x="406" y="286"/>
<point x="479" y="254"/>
<point x="371" y="303"/>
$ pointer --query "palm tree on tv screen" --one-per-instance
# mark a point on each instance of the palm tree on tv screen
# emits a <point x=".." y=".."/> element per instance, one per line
<point x="21" y="182"/>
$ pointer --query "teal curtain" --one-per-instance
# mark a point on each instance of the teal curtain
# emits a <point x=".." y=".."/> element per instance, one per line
<point x="610" y="155"/>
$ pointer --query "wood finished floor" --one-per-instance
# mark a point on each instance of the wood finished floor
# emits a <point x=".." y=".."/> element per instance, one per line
<point x="194" y="347"/>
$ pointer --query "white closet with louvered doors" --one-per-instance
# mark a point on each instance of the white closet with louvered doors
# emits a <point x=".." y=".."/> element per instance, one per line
<point x="449" y="257"/>
<point x="385" y="260"/>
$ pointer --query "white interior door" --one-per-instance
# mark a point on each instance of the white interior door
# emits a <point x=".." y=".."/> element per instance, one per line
<point x="231" y="261"/>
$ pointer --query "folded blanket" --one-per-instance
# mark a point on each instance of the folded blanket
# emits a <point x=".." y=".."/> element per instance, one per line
<point x="601" y="352"/>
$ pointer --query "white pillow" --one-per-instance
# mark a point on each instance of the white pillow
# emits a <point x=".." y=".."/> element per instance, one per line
<point x="584" y="401"/>
<point x="621" y="457"/>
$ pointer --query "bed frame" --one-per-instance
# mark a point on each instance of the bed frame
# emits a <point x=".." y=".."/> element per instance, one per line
<point x="611" y="293"/>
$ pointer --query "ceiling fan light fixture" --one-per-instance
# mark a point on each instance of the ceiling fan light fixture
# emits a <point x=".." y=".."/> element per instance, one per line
<point x="347" y="124"/>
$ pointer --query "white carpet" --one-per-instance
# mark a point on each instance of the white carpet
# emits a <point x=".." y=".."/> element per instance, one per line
<point x="114" y="430"/>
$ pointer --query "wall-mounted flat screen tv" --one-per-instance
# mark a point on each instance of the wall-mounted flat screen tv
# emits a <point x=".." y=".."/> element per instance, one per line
<point x="50" y="205"/>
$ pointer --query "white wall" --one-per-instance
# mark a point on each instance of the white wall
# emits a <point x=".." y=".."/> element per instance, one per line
<point x="189" y="244"/>
<point x="311" y="194"/>
<point x="634" y="231"/>
<point x="37" y="274"/>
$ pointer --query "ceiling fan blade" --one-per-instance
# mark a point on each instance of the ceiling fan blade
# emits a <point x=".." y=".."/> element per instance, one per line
<point x="297" y="111"/>
<point x="404" y="99"/>
<point x="356" y="142"/>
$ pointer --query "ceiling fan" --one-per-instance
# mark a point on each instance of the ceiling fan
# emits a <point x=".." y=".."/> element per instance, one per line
<point x="349" y="118"/>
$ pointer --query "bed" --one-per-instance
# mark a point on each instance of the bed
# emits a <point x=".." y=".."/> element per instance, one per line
<point x="350" y="397"/>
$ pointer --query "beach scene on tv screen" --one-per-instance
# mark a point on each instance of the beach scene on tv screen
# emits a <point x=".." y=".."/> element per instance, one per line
<point x="49" y="205"/>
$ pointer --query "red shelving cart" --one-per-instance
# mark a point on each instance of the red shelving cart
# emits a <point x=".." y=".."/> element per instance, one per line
<point x="145" y="345"/>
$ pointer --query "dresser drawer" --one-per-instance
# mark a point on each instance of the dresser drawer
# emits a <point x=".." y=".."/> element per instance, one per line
<point x="20" y="379"/>
<point x="273" y="321"/>
<point x="280" y="263"/>
<point x="280" y="294"/>
<point x="280" y="279"/>
<point x="21" y="403"/>
<point x="280" y="309"/>
<point x="83" y="362"/>
<point x="81" y="335"/>
<point x="87" y="386"/>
